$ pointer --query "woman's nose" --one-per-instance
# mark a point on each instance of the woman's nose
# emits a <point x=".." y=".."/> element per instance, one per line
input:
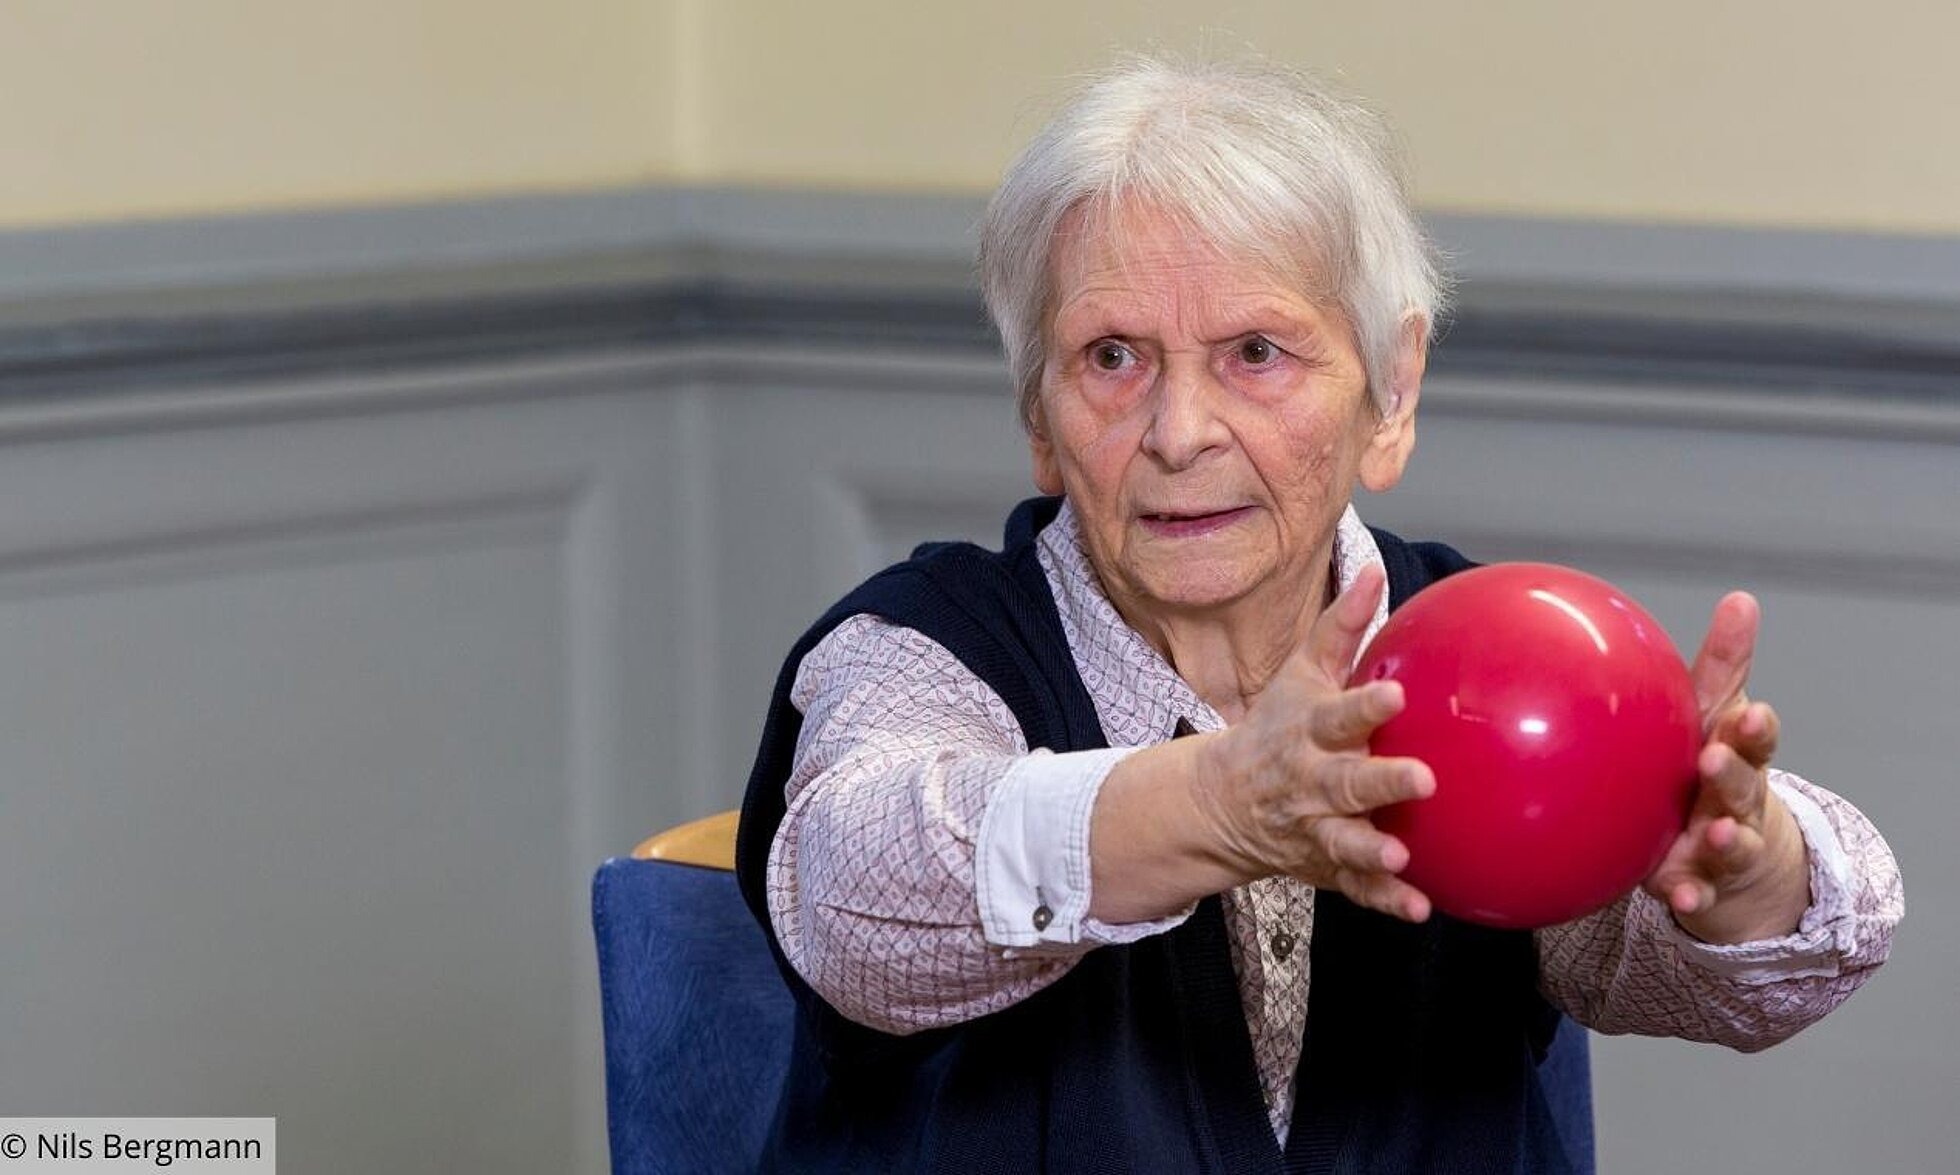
<point x="1184" y="421"/>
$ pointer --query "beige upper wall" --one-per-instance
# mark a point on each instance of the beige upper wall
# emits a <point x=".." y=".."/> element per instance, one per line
<point x="1799" y="113"/>
<point x="118" y="108"/>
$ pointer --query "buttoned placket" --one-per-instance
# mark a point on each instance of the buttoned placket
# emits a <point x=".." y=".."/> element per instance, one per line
<point x="1269" y="933"/>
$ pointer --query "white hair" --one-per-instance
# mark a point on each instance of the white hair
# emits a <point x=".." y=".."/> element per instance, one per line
<point x="1265" y="164"/>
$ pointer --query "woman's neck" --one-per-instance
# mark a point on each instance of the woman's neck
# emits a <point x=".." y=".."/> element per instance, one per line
<point x="1229" y="653"/>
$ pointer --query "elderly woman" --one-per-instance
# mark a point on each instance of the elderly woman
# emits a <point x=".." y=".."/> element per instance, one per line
<point x="1028" y="924"/>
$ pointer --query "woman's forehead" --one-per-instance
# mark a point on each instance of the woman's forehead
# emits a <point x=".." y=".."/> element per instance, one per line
<point x="1141" y="261"/>
<point x="1113" y="248"/>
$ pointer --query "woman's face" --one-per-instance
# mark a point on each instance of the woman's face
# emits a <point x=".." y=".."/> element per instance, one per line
<point x="1207" y="422"/>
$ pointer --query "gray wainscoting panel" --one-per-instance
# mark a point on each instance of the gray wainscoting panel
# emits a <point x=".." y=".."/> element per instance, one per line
<point x="322" y="707"/>
<point x="366" y="578"/>
<point x="827" y="469"/>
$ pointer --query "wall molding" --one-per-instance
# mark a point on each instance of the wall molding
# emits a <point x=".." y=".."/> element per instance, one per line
<point x="211" y="548"/>
<point x="1823" y="331"/>
<point x="702" y="368"/>
<point x="1899" y="575"/>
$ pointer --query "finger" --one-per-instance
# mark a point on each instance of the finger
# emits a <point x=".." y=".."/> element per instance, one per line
<point x="1730" y="784"/>
<point x="1729" y="847"/>
<point x="1701" y="859"/>
<point x="1720" y="848"/>
<point x="1721" y="666"/>
<point x="1690" y="895"/>
<point x="1384" y="892"/>
<point x="1753" y="733"/>
<point x="1347" y="719"/>
<point x="1337" y="632"/>
<point x="1353" y="785"/>
<point x="1682" y="882"/>
<point x="1353" y="843"/>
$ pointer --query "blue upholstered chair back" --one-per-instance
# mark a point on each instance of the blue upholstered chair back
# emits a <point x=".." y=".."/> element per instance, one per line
<point x="1568" y="1084"/>
<point x="697" y="1020"/>
<point x="698" y="1025"/>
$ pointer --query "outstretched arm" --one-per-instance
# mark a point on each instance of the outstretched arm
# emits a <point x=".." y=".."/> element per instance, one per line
<point x="1771" y="907"/>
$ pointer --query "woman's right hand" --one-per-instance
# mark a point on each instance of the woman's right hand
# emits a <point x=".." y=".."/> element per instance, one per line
<point x="1288" y="789"/>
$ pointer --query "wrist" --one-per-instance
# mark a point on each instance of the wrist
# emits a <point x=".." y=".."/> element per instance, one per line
<point x="1153" y="844"/>
<point x="1217" y="837"/>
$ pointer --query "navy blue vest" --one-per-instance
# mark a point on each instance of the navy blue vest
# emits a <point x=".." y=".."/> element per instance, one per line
<point x="1426" y="1046"/>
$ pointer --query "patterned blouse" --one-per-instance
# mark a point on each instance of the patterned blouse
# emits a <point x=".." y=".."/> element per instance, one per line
<point x="931" y="869"/>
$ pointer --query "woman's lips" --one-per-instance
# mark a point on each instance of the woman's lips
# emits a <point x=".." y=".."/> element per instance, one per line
<point x="1185" y="525"/>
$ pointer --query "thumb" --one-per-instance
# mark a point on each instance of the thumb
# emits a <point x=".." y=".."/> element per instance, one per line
<point x="1336" y="633"/>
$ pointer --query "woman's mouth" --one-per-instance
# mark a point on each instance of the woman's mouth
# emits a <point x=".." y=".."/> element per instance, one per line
<point x="1184" y="524"/>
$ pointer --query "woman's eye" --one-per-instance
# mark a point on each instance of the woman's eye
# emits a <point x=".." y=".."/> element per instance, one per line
<point x="1109" y="356"/>
<point x="1257" y="352"/>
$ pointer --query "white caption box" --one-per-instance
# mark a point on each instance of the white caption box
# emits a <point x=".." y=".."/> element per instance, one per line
<point x="182" y="1146"/>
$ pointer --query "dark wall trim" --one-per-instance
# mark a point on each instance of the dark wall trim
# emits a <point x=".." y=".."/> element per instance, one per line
<point x="1822" y="350"/>
<point x="110" y="355"/>
<point x="99" y="309"/>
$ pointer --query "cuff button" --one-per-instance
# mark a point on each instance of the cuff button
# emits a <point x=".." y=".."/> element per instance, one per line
<point x="1042" y="917"/>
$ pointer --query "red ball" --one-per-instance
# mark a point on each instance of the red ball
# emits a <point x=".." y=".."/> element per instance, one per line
<point x="1563" y="732"/>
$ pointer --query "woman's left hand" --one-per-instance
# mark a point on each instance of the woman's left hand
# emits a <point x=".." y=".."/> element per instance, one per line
<point x="1738" y="872"/>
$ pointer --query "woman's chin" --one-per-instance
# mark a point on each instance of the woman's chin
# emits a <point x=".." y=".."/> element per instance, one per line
<point x="1197" y="588"/>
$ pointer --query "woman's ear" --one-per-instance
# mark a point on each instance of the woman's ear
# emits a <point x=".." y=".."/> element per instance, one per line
<point x="1041" y="451"/>
<point x="1394" y="438"/>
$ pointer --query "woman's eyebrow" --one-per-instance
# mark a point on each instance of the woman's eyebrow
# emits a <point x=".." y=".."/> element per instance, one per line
<point x="1099" y="314"/>
<point x="1095" y="314"/>
<point x="1270" y="315"/>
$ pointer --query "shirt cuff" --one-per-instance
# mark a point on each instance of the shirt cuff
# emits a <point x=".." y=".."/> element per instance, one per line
<point x="1825" y="935"/>
<point x="1031" y="864"/>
